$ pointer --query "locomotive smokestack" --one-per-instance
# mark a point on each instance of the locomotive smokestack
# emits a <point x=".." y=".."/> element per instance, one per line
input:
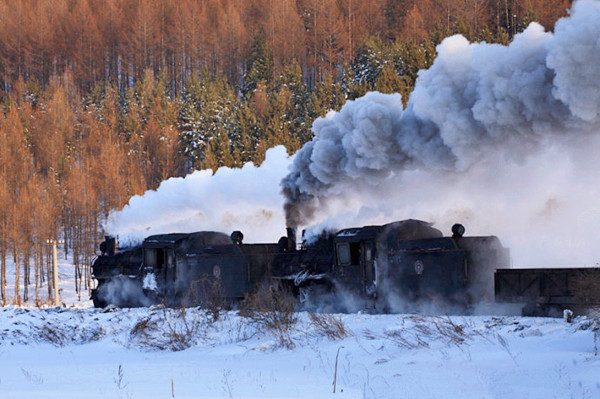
<point x="291" y="235"/>
<point x="109" y="246"/>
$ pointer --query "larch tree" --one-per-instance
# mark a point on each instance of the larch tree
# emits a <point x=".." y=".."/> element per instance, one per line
<point x="16" y="180"/>
<point x="5" y="199"/>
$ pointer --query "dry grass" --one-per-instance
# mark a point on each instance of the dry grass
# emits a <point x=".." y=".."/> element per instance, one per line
<point x="53" y="335"/>
<point x="420" y="331"/>
<point x="208" y="295"/>
<point x="65" y="335"/>
<point x="171" y="329"/>
<point x="271" y="307"/>
<point x="328" y="325"/>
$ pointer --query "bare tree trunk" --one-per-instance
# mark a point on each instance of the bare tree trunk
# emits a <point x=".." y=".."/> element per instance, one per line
<point x="76" y="246"/>
<point x="26" y="276"/>
<point x="49" y="271"/>
<point x="41" y="263"/>
<point x="316" y="42"/>
<point x="36" y="268"/>
<point x="3" y="272"/>
<point x="65" y="244"/>
<point x="349" y="29"/>
<point x="17" y="299"/>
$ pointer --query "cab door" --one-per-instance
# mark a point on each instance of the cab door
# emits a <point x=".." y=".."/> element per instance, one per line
<point x="170" y="271"/>
<point x="349" y="265"/>
<point x="368" y="267"/>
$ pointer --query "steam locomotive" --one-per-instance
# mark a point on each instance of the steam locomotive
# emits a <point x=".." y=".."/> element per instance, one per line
<point x="394" y="267"/>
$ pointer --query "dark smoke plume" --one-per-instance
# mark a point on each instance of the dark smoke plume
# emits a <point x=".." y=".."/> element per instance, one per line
<point x="476" y="100"/>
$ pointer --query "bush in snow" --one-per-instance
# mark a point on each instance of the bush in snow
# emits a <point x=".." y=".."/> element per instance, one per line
<point x="271" y="308"/>
<point x="172" y="329"/>
<point x="328" y="325"/>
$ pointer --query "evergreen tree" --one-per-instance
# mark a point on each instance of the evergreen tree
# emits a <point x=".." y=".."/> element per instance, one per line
<point x="192" y="139"/>
<point x="368" y="62"/>
<point x="388" y="80"/>
<point x="297" y="107"/>
<point x="326" y="96"/>
<point x="246" y="135"/>
<point x="206" y="111"/>
<point x="259" y="65"/>
<point x="409" y="58"/>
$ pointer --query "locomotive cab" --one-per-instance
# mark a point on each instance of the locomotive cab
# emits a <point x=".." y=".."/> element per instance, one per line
<point x="405" y="262"/>
<point x="363" y="255"/>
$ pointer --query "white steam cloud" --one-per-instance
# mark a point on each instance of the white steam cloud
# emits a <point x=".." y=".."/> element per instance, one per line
<point x="500" y="138"/>
<point x="245" y="199"/>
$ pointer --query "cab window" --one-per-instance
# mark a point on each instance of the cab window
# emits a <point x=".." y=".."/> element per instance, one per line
<point x="150" y="257"/>
<point x="154" y="257"/>
<point x="343" y="252"/>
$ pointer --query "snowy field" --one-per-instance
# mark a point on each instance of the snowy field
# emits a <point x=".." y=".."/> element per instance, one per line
<point x="76" y="351"/>
<point x="160" y="353"/>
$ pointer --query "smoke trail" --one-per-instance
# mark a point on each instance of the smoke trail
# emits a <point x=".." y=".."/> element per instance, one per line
<point x="506" y="119"/>
<point x="245" y="199"/>
<point x="474" y="99"/>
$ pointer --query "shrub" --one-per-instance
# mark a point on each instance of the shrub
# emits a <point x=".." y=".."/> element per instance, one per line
<point x="207" y="294"/>
<point x="172" y="329"/>
<point x="271" y="307"/>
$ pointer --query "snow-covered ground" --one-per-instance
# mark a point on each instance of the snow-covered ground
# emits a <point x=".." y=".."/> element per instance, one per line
<point x="160" y="353"/>
<point x="76" y="351"/>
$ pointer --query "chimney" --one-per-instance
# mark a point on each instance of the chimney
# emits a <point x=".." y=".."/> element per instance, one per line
<point x="291" y="235"/>
<point x="111" y="245"/>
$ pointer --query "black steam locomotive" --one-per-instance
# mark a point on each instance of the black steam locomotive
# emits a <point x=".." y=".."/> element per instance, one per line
<point x="394" y="267"/>
<point x="398" y="263"/>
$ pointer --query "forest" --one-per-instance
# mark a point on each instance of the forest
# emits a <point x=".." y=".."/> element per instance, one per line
<point x="104" y="99"/>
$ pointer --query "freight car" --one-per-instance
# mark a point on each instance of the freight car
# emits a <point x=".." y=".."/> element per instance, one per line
<point x="401" y="262"/>
<point x="547" y="292"/>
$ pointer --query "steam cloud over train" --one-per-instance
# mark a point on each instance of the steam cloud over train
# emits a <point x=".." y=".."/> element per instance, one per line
<point x="393" y="267"/>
